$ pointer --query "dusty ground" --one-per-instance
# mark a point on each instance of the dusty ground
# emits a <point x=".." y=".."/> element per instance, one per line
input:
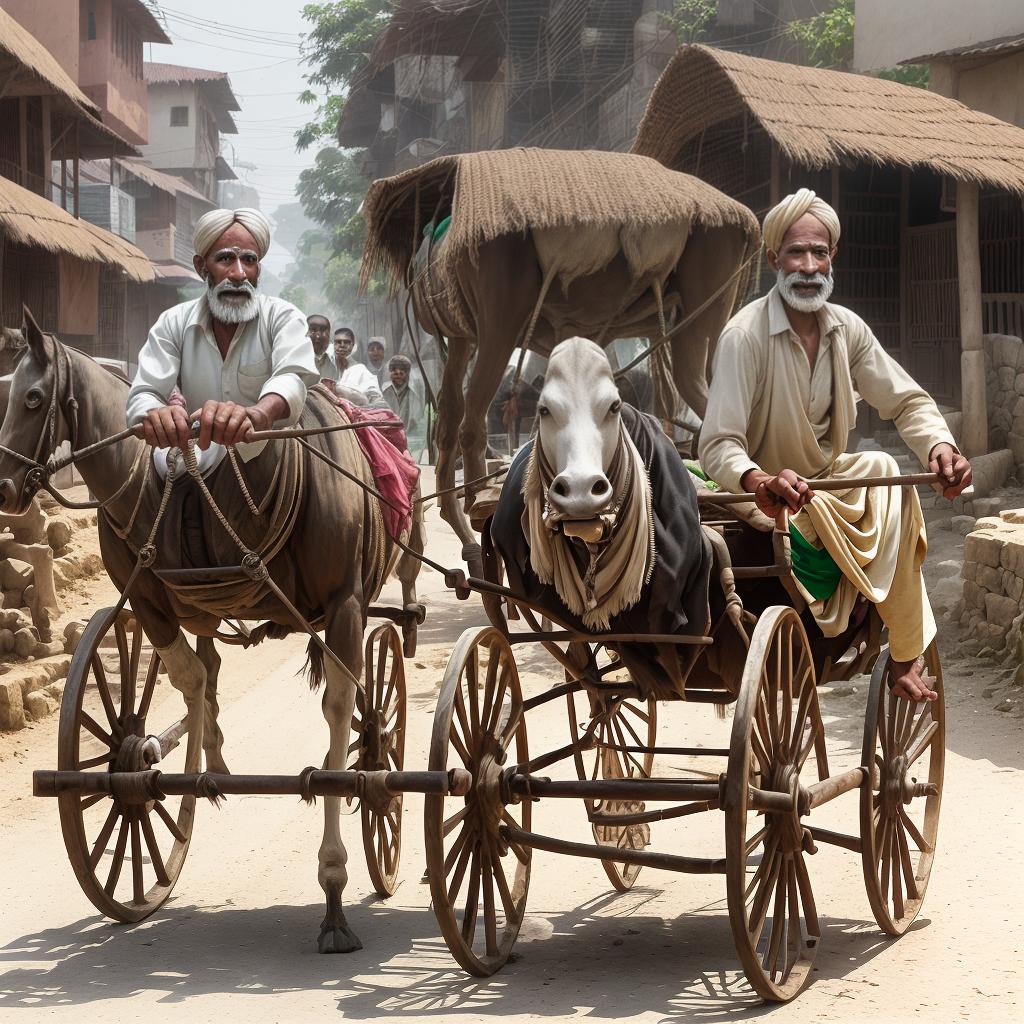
<point x="237" y="940"/>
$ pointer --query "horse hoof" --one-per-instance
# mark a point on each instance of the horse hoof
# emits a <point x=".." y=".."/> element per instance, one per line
<point x="337" y="940"/>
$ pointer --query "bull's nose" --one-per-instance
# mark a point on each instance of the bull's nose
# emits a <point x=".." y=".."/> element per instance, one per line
<point x="580" y="495"/>
<point x="8" y="494"/>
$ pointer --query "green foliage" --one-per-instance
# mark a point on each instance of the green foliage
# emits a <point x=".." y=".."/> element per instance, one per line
<point x="297" y="295"/>
<point x="827" y="38"/>
<point x="335" y="49"/>
<point x="690" y="19"/>
<point x="909" y="74"/>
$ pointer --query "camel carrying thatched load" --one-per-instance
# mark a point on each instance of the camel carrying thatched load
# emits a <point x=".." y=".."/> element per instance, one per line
<point x="526" y="247"/>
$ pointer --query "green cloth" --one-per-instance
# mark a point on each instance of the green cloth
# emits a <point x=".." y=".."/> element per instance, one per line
<point x="814" y="567"/>
<point x="440" y="231"/>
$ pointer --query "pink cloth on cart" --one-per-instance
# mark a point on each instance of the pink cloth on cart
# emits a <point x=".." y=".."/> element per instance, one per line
<point x="394" y="472"/>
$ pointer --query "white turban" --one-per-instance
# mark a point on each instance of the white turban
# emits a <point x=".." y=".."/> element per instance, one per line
<point x="213" y="224"/>
<point x="782" y="217"/>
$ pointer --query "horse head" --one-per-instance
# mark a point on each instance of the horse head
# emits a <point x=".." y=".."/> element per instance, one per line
<point x="40" y="417"/>
<point x="578" y="429"/>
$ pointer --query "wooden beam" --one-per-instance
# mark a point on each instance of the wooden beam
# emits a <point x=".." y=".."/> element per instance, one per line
<point x="775" y="179"/>
<point x="74" y="163"/>
<point x="47" y="145"/>
<point x="23" y="139"/>
<point x="904" y="269"/>
<point x="972" y="356"/>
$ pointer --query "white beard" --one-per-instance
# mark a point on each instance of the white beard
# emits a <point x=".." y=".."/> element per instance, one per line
<point x="231" y="311"/>
<point x="804" y="303"/>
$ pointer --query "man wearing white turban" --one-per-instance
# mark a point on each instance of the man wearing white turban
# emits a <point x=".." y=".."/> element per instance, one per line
<point x="241" y="359"/>
<point x="780" y="407"/>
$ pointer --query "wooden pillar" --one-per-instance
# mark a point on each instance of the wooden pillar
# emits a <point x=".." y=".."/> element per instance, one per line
<point x="775" y="180"/>
<point x="47" y="148"/>
<point x="974" y="435"/>
<point x="23" y="139"/>
<point x="74" y="163"/>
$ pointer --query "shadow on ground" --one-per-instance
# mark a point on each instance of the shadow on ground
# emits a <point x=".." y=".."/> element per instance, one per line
<point x="683" y="968"/>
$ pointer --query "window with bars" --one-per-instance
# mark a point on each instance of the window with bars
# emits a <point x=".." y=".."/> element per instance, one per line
<point x="179" y="117"/>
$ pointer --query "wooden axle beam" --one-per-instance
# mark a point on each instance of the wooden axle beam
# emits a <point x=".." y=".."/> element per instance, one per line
<point x="527" y="786"/>
<point x="646" y="858"/>
<point x="142" y="787"/>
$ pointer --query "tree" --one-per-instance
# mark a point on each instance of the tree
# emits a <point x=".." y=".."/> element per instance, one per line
<point x="827" y="39"/>
<point x="690" y="19"/>
<point x="336" y="48"/>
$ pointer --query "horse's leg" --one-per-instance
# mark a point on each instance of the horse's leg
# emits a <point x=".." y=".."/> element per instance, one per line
<point x="213" y="738"/>
<point x="344" y="635"/>
<point x="408" y="568"/>
<point x="187" y="674"/>
<point x="450" y="407"/>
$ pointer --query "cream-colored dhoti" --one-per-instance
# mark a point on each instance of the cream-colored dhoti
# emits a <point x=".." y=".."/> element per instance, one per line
<point x="877" y="537"/>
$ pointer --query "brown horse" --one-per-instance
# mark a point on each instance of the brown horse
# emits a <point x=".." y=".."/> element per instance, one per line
<point x="59" y="394"/>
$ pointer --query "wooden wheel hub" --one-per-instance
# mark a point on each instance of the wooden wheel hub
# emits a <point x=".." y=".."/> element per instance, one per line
<point x="489" y="789"/>
<point x="786" y="827"/>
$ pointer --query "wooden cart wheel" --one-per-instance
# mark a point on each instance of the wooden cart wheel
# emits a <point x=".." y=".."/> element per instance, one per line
<point x="478" y="882"/>
<point x="776" y="725"/>
<point x="905" y="746"/>
<point x="103" y="725"/>
<point x="382" y="748"/>
<point x="622" y="723"/>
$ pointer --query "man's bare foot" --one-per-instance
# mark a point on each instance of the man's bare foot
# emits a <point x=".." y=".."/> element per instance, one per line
<point x="907" y="680"/>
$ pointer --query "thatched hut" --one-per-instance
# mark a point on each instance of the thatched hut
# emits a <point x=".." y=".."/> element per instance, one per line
<point x="929" y="192"/>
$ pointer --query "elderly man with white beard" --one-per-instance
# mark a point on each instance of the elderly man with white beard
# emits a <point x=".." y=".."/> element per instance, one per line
<point x="780" y="408"/>
<point x="241" y="360"/>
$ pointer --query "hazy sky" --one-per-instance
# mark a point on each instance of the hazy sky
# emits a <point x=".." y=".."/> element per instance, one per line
<point x="257" y="44"/>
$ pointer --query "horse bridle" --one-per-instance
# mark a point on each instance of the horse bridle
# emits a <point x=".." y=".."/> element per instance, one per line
<point x="40" y="472"/>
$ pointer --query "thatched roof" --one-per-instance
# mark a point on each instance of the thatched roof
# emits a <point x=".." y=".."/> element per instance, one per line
<point x="509" y="191"/>
<point x="820" y="118"/>
<point x="31" y="220"/>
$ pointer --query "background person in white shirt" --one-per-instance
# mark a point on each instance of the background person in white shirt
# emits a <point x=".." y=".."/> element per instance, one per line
<point x="243" y="361"/>
<point x="352" y="375"/>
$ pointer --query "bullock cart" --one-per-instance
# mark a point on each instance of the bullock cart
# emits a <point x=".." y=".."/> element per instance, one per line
<point x="764" y="657"/>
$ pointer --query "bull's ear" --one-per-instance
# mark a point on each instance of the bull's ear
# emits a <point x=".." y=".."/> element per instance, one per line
<point x="34" y="338"/>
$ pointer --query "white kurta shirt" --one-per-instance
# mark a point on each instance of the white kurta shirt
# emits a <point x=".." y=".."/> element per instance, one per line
<point x="271" y="354"/>
<point x="357" y="376"/>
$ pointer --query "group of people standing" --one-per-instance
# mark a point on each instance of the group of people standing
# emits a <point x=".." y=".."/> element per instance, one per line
<point x="379" y="382"/>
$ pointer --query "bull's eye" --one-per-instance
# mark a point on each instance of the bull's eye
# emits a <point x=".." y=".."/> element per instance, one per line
<point x="542" y="410"/>
<point x="615" y="407"/>
<point x="34" y="399"/>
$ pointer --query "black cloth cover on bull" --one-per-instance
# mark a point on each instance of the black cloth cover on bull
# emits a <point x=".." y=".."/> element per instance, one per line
<point x="676" y="598"/>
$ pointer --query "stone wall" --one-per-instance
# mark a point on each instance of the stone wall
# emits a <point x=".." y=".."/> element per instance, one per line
<point x="993" y="589"/>
<point x="1004" y="380"/>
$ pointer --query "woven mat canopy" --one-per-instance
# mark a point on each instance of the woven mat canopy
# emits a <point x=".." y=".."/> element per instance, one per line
<point x="512" y="191"/>
<point x="820" y="118"/>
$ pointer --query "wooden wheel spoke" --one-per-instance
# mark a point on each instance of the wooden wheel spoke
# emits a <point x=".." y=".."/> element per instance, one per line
<point x="915" y="833"/>
<point x="889" y="744"/>
<point x="767" y="860"/>
<point x="623" y="723"/>
<point x="133" y="662"/>
<point x="897" y="886"/>
<point x="127" y="676"/>
<point x="138" y="889"/>
<point x="803" y="710"/>
<point x="95" y="728"/>
<point x="925" y="716"/>
<point x="382" y="663"/>
<point x="806" y="896"/>
<point x="460" y="863"/>
<point x="794" y="936"/>
<point x="771" y="712"/>
<point x="90" y="801"/>
<point x="100" y="846"/>
<point x="515" y="718"/>
<point x="386" y="704"/>
<point x="521" y="854"/>
<point x="472" y="899"/>
<point x="95" y="762"/>
<point x="450" y="823"/>
<point x="786" y="686"/>
<point x="885" y="849"/>
<point x="636" y="710"/>
<point x="118" y="858"/>
<point x="763" y="760"/>
<point x="473" y="693"/>
<point x="762" y="898"/>
<point x="490" y="678"/>
<point x="150" y="686"/>
<point x="104" y="690"/>
<point x="511" y="913"/>
<point x="172" y="826"/>
<point x="755" y="839"/>
<point x="923" y="743"/>
<point x="494" y="713"/>
<point x="906" y="862"/>
<point x="771" y="956"/>
<point x="487" y="886"/>
<point x="154" y="851"/>
<point x="458" y="846"/>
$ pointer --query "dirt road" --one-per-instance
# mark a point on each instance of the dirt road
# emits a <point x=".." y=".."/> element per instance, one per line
<point x="237" y="940"/>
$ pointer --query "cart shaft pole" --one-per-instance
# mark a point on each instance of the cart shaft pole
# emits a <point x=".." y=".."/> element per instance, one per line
<point x="526" y="786"/>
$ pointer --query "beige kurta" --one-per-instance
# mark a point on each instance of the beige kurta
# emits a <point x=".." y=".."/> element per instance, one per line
<point x="768" y="410"/>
